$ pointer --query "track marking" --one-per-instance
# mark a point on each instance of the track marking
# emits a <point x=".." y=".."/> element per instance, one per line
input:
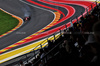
<point x="20" y="51"/>
<point x="13" y="56"/>
<point x="70" y="9"/>
<point x="32" y="34"/>
<point x="29" y="37"/>
<point x="8" y="53"/>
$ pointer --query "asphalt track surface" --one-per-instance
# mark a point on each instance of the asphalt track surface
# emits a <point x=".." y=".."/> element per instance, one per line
<point x="78" y="11"/>
<point x="39" y="19"/>
<point x="35" y="24"/>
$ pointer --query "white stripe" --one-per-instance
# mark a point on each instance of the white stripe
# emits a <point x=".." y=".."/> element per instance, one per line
<point x="19" y="53"/>
<point x="22" y="39"/>
<point x="23" y="51"/>
<point x="39" y="8"/>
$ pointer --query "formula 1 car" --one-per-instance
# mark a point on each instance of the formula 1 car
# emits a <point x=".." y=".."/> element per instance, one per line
<point x="27" y="18"/>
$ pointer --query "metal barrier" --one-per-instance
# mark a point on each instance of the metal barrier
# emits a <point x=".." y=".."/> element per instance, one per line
<point x="55" y="35"/>
<point x="89" y="9"/>
<point x="50" y="52"/>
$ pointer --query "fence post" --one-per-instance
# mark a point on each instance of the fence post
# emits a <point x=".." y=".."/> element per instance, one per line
<point x="66" y="26"/>
<point x="82" y="14"/>
<point x="26" y="58"/>
<point x="54" y="36"/>
<point x="34" y="53"/>
<point x="77" y="19"/>
<point x="91" y="7"/>
<point x="47" y="39"/>
<point x="71" y="23"/>
<point x="87" y="11"/>
<point x="60" y="31"/>
<point x="96" y="2"/>
<point x="41" y="46"/>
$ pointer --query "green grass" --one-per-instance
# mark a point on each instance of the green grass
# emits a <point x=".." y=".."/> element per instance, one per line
<point x="7" y="22"/>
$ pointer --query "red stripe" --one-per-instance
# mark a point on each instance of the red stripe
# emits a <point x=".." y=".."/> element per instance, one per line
<point x="8" y="47"/>
<point x="55" y="29"/>
<point x="45" y="6"/>
<point x="70" y="9"/>
<point x="1" y="52"/>
<point x="81" y="3"/>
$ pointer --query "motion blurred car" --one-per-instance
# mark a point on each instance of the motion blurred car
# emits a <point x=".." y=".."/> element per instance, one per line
<point x="27" y="18"/>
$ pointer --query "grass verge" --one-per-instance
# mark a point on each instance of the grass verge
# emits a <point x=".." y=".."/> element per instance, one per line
<point x="7" y="22"/>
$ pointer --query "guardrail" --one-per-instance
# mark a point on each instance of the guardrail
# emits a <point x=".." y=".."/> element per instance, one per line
<point x="59" y="32"/>
<point x="55" y="35"/>
<point x="88" y="9"/>
<point x="64" y="27"/>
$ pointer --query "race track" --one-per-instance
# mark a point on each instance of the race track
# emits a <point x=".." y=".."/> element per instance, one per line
<point x="42" y="15"/>
<point x="39" y="19"/>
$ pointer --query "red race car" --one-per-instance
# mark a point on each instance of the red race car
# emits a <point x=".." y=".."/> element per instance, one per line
<point x="27" y="18"/>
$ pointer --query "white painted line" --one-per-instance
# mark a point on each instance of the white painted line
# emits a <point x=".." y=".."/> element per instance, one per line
<point x="16" y="55"/>
<point x="39" y="8"/>
<point x="23" y="46"/>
